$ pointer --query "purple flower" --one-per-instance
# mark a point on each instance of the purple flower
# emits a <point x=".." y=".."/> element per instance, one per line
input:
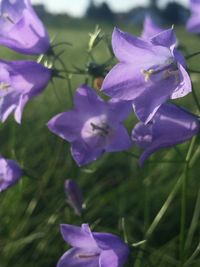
<point x="19" y="82"/>
<point x="193" y="24"/>
<point x="93" y="126"/>
<point x="10" y="173"/>
<point x="21" y="29"/>
<point x="92" y="249"/>
<point x="170" y="126"/>
<point x="149" y="73"/>
<point x="74" y="196"/>
<point x="150" y="28"/>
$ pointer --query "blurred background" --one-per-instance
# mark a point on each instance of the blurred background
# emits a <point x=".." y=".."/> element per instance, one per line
<point x="127" y="11"/>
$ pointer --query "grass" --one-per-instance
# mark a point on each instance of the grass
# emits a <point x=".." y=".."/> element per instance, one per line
<point x="115" y="188"/>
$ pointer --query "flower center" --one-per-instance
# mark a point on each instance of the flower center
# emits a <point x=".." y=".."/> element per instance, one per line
<point x="102" y="130"/>
<point x="96" y="126"/>
<point x="164" y="71"/>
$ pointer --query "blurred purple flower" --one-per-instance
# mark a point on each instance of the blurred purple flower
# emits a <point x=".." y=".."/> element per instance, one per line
<point x="170" y="126"/>
<point x="21" y="29"/>
<point x="19" y="82"/>
<point x="150" y="28"/>
<point x="10" y="173"/>
<point x="93" y="126"/>
<point x="92" y="249"/>
<point x="74" y="196"/>
<point x="193" y="24"/>
<point x="149" y="73"/>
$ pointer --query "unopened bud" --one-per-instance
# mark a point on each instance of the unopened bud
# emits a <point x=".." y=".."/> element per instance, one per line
<point x="74" y="196"/>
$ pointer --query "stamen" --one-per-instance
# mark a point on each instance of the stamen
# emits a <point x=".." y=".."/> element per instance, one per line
<point x="6" y="16"/>
<point x="4" y="86"/>
<point x="147" y="74"/>
<point x="87" y="256"/>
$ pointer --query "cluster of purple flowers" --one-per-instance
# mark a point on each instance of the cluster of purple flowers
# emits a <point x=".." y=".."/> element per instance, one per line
<point x="150" y="72"/>
<point x="22" y="31"/>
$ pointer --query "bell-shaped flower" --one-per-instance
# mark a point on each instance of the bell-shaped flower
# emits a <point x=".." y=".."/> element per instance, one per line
<point x="93" y="126"/>
<point x="10" y="173"/>
<point x="193" y="24"/>
<point x="149" y="72"/>
<point x="170" y="126"/>
<point x="19" y="82"/>
<point x="74" y="195"/>
<point x="150" y="28"/>
<point x="91" y="249"/>
<point x="21" y="29"/>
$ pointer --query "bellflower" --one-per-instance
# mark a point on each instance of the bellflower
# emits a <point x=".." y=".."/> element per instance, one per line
<point x="92" y="249"/>
<point x="19" y="82"/>
<point x="150" y="28"/>
<point x="93" y="126"/>
<point x="10" y="173"/>
<point x="193" y="24"/>
<point x="74" y="196"/>
<point x="21" y="29"/>
<point x="170" y="126"/>
<point x="149" y="72"/>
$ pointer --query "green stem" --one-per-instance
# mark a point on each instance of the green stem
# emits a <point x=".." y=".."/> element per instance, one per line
<point x="184" y="202"/>
<point x="195" y="98"/>
<point x="193" y="55"/>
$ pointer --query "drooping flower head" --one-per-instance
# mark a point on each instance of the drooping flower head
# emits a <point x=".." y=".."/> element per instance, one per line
<point x="170" y="126"/>
<point x="10" y="173"/>
<point x="92" y="249"/>
<point x="193" y="24"/>
<point x="149" y="72"/>
<point x="93" y="126"/>
<point x="21" y="29"/>
<point x="150" y="29"/>
<point x="19" y="82"/>
<point x="74" y="195"/>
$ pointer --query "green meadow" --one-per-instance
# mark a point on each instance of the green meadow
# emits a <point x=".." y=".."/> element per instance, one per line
<point x="119" y="196"/>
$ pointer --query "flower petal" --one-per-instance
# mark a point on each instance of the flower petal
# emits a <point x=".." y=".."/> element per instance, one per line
<point x="84" y="153"/>
<point x="136" y="51"/>
<point x="172" y="125"/>
<point x="72" y="258"/>
<point x="86" y="98"/>
<point x="21" y="29"/>
<point x="150" y="28"/>
<point x="109" y="258"/>
<point x="79" y="237"/>
<point x="67" y="125"/>
<point x="120" y="141"/>
<point x="124" y="82"/>
<point x="152" y="98"/>
<point x="185" y="86"/>
<point x="165" y="38"/>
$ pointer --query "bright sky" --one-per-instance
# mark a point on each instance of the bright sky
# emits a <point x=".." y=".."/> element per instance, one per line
<point x="78" y="7"/>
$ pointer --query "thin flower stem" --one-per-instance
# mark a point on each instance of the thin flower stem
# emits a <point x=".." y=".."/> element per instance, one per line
<point x="184" y="202"/>
<point x="194" y="223"/>
<point x="194" y="255"/>
<point x="68" y="78"/>
<point x="195" y="98"/>
<point x="193" y="71"/>
<point x="191" y="159"/>
<point x="124" y="230"/>
<point x="164" y="208"/>
<point x="192" y="55"/>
